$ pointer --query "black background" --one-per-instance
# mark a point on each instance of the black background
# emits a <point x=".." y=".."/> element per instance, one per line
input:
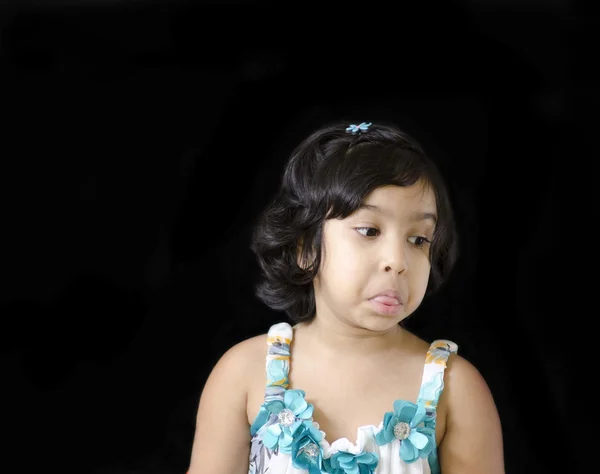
<point x="141" y="139"/>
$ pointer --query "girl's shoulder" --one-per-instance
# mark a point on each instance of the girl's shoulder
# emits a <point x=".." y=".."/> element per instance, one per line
<point x="250" y="354"/>
<point x="249" y="351"/>
<point x="244" y="360"/>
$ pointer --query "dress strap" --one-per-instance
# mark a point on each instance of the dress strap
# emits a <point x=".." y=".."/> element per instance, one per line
<point x="279" y="340"/>
<point x="432" y="383"/>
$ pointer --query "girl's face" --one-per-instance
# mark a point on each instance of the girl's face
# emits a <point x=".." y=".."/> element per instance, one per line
<point x="382" y="247"/>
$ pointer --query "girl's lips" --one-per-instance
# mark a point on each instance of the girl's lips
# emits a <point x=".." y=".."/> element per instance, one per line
<point x="387" y="300"/>
<point x="386" y="309"/>
<point x="392" y="296"/>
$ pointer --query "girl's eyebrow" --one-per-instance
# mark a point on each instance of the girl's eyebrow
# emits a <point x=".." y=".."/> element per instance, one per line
<point x="423" y="216"/>
<point x="415" y="216"/>
<point x="372" y="207"/>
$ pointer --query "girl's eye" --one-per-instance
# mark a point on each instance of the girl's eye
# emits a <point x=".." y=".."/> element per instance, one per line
<point x="420" y="241"/>
<point x="367" y="231"/>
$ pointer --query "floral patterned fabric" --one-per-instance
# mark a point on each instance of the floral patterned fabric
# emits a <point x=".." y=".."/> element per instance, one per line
<point x="286" y="440"/>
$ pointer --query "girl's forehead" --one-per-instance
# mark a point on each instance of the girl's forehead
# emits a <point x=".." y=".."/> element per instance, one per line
<point x="418" y="194"/>
<point x="402" y="204"/>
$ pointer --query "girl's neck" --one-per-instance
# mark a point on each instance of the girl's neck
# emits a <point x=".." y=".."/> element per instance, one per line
<point x="340" y="339"/>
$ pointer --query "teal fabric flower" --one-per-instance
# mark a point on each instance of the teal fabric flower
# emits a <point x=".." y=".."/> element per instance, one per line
<point x="405" y="423"/>
<point x="348" y="463"/>
<point x="293" y="415"/>
<point x="306" y="450"/>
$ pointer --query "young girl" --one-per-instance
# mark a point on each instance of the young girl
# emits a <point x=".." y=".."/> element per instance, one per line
<point x="359" y="233"/>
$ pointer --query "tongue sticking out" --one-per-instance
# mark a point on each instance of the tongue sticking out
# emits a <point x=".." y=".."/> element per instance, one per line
<point x="390" y="301"/>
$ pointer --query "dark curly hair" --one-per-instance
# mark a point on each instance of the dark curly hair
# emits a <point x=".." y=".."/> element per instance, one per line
<point x="328" y="176"/>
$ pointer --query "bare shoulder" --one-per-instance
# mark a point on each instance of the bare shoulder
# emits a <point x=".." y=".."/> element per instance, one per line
<point x="249" y="348"/>
<point x="221" y="423"/>
<point x="472" y="440"/>
<point x="462" y="378"/>
<point x="466" y="390"/>
<point x="242" y="360"/>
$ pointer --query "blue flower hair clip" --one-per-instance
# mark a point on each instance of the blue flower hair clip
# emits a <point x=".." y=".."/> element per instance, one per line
<point x="354" y="129"/>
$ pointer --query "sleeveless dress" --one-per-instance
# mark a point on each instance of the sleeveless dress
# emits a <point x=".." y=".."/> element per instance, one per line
<point x="286" y="440"/>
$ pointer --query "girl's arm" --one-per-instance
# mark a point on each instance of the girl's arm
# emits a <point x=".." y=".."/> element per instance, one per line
<point x="222" y="438"/>
<point x="472" y="443"/>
